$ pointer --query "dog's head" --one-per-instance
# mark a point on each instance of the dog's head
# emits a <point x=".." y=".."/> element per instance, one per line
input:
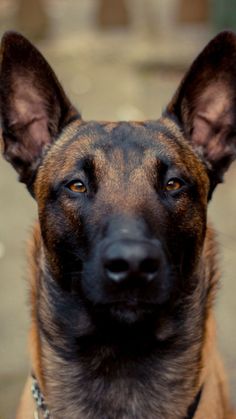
<point x="122" y="206"/>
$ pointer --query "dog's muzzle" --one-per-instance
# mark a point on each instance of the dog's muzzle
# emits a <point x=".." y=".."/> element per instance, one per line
<point x="128" y="273"/>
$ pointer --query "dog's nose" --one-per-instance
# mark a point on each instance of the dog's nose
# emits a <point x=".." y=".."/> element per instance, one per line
<point x="126" y="260"/>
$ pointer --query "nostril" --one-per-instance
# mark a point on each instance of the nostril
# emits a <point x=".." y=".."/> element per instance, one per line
<point x="117" y="266"/>
<point x="149" y="266"/>
<point x="131" y="262"/>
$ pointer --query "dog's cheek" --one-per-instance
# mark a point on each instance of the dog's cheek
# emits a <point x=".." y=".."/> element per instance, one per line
<point x="64" y="241"/>
<point x="186" y="228"/>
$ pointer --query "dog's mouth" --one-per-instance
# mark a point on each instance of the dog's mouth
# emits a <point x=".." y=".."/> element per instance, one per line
<point x="128" y="312"/>
<point x="128" y="304"/>
<point x="131" y="312"/>
<point x="133" y="324"/>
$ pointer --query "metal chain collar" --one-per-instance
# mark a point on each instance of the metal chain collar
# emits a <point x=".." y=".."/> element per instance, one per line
<point x="39" y="400"/>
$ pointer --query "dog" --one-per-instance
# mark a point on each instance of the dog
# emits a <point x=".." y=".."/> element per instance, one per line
<point x="123" y="263"/>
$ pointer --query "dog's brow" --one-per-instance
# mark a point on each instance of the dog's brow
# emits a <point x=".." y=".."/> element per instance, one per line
<point x="85" y="164"/>
<point x="92" y="164"/>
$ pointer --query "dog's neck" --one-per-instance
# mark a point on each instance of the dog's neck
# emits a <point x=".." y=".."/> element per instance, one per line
<point x="41" y="406"/>
<point x="84" y="376"/>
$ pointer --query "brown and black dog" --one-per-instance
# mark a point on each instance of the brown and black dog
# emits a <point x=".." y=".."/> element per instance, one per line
<point x="123" y="269"/>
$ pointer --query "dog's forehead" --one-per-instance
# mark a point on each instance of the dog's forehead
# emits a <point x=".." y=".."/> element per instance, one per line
<point x="122" y="145"/>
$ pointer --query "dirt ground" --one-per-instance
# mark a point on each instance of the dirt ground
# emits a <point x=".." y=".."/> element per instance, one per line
<point x="118" y="76"/>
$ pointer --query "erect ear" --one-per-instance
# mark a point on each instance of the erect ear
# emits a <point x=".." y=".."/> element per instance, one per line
<point x="205" y="105"/>
<point x="33" y="105"/>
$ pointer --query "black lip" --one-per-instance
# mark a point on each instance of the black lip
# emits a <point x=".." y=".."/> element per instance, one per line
<point x="129" y="302"/>
<point x="124" y="307"/>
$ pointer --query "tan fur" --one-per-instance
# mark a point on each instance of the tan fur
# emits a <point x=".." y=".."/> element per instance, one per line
<point x="214" y="402"/>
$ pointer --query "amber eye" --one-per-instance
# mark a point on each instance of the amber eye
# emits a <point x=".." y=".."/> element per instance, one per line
<point x="173" y="185"/>
<point x="77" y="187"/>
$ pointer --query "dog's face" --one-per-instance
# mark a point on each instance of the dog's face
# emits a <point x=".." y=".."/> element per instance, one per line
<point x="122" y="206"/>
<point x="123" y="214"/>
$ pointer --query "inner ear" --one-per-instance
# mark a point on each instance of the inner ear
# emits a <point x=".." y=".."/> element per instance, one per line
<point x="33" y="106"/>
<point x="205" y="105"/>
<point x="213" y="121"/>
<point x="27" y="118"/>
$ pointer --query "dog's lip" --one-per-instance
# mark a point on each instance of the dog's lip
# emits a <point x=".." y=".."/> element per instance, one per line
<point x="129" y="304"/>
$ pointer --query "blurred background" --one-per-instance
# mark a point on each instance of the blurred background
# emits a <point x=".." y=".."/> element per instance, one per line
<point x="118" y="59"/>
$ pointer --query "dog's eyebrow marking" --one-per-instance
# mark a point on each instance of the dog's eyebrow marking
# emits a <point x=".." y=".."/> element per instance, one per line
<point x="91" y="165"/>
<point x="89" y="168"/>
<point x="87" y="165"/>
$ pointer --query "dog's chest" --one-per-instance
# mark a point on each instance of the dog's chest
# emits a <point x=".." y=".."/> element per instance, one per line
<point x="135" y="391"/>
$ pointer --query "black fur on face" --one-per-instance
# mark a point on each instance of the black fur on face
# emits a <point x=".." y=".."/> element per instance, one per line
<point x="124" y="208"/>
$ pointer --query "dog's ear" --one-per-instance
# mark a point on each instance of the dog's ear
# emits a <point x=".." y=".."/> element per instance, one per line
<point x="205" y="105"/>
<point x="33" y="106"/>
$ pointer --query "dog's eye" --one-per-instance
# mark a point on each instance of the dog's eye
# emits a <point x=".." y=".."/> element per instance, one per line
<point x="173" y="184"/>
<point x="77" y="186"/>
